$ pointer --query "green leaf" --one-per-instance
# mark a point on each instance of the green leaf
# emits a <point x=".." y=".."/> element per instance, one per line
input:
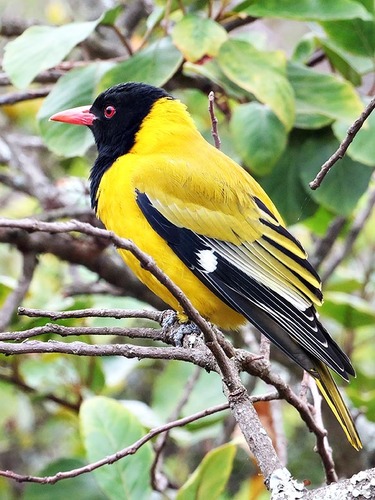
<point x="347" y="63"/>
<point x="362" y="148"/>
<point x="109" y="18"/>
<point x="323" y="94"/>
<point x="211" y="70"/>
<point x="197" y="37"/>
<point x="258" y="135"/>
<point x="304" y="10"/>
<point x="40" y="48"/>
<point x="107" y="427"/>
<point x="347" y="309"/>
<point x="346" y="182"/>
<point x="211" y="476"/>
<point x="83" y="487"/>
<point x="312" y="121"/>
<point x="260" y="73"/>
<point x="355" y="36"/>
<point x="76" y="88"/>
<point x="154" y="65"/>
<point x="284" y="184"/>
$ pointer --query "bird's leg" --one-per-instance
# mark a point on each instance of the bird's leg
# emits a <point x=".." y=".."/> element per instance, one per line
<point x="171" y="323"/>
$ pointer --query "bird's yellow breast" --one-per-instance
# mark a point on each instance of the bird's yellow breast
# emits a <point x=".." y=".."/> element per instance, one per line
<point x="119" y="212"/>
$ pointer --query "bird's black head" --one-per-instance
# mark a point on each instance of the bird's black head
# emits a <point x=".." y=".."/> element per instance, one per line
<point x="119" y="112"/>
<point x="115" y="118"/>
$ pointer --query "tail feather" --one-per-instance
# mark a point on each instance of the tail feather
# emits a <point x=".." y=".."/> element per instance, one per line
<point x="331" y="394"/>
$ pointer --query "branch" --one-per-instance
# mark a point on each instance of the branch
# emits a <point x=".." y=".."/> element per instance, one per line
<point x="325" y="244"/>
<point x="239" y="400"/>
<point x="89" y="253"/>
<point x="15" y="298"/>
<point x="93" y="313"/>
<point x="158" y="480"/>
<point x="25" y="95"/>
<point x="214" y="121"/>
<point x="115" y="457"/>
<point x="14" y="380"/>
<point x="198" y="356"/>
<point x="356" y="228"/>
<point x="339" y="153"/>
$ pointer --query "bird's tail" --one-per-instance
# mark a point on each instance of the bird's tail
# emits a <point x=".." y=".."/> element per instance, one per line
<point x="331" y="394"/>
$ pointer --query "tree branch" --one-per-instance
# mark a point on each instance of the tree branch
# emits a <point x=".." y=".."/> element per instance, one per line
<point x="339" y="153"/>
<point x="358" y="223"/>
<point x="239" y="400"/>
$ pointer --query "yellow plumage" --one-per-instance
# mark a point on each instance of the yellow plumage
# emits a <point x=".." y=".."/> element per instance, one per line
<point x="209" y="226"/>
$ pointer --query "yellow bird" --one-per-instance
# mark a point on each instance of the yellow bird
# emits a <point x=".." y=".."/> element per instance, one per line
<point x="209" y="226"/>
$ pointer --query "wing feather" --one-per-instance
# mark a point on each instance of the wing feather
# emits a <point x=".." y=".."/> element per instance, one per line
<point x="248" y="283"/>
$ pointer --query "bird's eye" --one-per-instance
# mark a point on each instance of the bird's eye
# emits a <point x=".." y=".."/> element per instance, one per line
<point x="109" y="111"/>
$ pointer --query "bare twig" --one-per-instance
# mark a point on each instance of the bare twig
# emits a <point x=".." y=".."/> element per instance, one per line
<point x="238" y="398"/>
<point x="339" y="153"/>
<point x="15" y="298"/>
<point x="25" y="95"/>
<point x="158" y="480"/>
<point x="115" y="457"/>
<point x="92" y="313"/>
<point x="323" y="447"/>
<point x="16" y="381"/>
<point x="325" y="244"/>
<point x="214" y="121"/>
<point x="261" y="369"/>
<point x="357" y="226"/>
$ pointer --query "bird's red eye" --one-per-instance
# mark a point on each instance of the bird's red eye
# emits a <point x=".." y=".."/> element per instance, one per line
<point x="109" y="111"/>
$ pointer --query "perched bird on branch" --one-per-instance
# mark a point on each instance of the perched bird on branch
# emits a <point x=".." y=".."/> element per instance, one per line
<point x="209" y="226"/>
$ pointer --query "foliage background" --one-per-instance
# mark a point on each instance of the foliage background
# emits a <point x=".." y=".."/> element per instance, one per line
<point x="289" y="79"/>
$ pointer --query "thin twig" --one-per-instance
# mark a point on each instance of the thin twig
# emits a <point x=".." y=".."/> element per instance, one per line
<point x="261" y="369"/>
<point x="339" y="153"/>
<point x="323" y="447"/>
<point x="238" y="397"/>
<point x="122" y="38"/>
<point x="158" y="480"/>
<point x="214" y="121"/>
<point x="325" y="244"/>
<point x="24" y="95"/>
<point x="15" y="298"/>
<point x="9" y="379"/>
<point x="356" y="228"/>
<point x="92" y="313"/>
<point x="115" y="457"/>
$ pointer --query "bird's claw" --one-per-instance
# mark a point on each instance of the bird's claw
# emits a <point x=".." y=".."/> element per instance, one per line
<point x="179" y="330"/>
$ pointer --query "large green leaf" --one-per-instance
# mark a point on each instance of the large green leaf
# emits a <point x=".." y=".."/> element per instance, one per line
<point x="107" y="427"/>
<point x="76" y="88"/>
<point x="83" y="487"/>
<point x="284" y="184"/>
<point x="317" y="10"/>
<point x="362" y="148"/>
<point x="154" y="65"/>
<point x="344" y="184"/>
<point x="197" y="37"/>
<point x="323" y="94"/>
<point x="355" y="36"/>
<point x="261" y="73"/>
<point x="211" y="476"/>
<point x="40" y="48"/>
<point x="258" y="135"/>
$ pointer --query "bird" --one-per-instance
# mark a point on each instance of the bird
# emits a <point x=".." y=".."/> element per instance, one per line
<point x="209" y="226"/>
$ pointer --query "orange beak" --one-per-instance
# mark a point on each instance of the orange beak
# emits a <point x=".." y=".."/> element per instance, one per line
<point x="75" y="116"/>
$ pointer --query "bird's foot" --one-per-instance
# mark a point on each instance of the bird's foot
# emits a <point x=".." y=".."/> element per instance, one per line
<point x="173" y="327"/>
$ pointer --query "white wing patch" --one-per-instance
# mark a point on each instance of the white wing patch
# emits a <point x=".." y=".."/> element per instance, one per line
<point x="207" y="260"/>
